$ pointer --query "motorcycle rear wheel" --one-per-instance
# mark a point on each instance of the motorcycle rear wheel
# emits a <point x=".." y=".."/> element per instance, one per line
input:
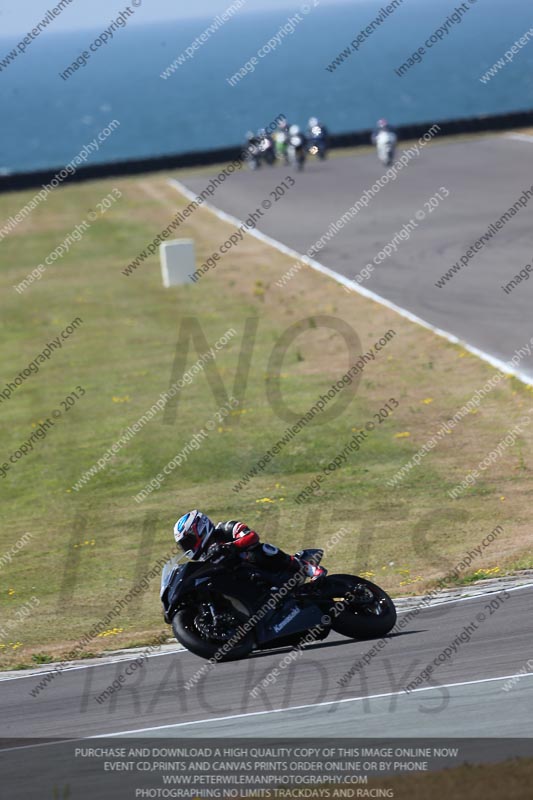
<point x="363" y="622"/>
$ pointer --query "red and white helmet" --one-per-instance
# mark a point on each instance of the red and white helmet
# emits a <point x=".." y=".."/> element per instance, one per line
<point x="192" y="532"/>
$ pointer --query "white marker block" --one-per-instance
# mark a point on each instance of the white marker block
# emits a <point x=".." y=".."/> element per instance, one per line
<point x="178" y="261"/>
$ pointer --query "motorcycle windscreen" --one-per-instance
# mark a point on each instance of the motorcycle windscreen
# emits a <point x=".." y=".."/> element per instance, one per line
<point x="313" y="554"/>
<point x="169" y="569"/>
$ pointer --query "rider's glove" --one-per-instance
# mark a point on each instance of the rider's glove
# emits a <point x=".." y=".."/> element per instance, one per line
<point x="220" y="549"/>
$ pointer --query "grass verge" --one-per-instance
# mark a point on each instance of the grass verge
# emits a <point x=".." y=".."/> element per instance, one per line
<point x="510" y="780"/>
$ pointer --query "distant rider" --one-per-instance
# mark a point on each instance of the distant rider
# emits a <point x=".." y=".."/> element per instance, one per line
<point x="315" y="129"/>
<point x="196" y="535"/>
<point x="281" y="139"/>
<point x="382" y="126"/>
<point x="317" y="138"/>
<point x="266" y="146"/>
<point x="252" y="141"/>
<point x="294" y="131"/>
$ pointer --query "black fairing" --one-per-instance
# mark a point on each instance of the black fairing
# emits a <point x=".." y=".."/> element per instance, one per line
<point x="193" y="582"/>
<point x="180" y="580"/>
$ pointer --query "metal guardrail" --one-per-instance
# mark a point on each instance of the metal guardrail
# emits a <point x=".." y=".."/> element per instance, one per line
<point x="479" y="124"/>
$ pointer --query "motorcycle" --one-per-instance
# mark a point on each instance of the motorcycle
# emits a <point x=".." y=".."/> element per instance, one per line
<point x="318" y="142"/>
<point x="224" y="608"/>
<point x="281" y="142"/>
<point x="252" y="154"/>
<point x="296" y="151"/>
<point x="266" y="150"/>
<point x="386" y="147"/>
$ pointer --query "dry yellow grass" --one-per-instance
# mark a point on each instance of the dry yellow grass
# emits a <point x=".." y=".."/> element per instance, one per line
<point x="510" y="780"/>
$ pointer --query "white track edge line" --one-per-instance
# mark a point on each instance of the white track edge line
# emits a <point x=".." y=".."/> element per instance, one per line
<point x="316" y="265"/>
<point x="479" y="596"/>
<point x="103" y="663"/>
<point x="270" y="711"/>
<point x="316" y="705"/>
<point x="520" y="137"/>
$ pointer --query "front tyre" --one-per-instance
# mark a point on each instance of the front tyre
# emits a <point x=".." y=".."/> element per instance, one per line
<point x="361" y="621"/>
<point x="193" y="629"/>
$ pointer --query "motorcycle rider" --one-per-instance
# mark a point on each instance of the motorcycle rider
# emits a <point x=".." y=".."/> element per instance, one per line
<point x="196" y="535"/>
<point x="251" y="152"/>
<point x="262" y="134"/>
<point x="313" y="123"/>
<point x="295" y="130"/>
<point x="252" y="141"/>
<point x="385" y="140"/>
<point x="317" y="137"/>
<point x="266" y="146"/>
<point x="297" y="147"/>
<point x="281" y="139"/>
<point x="382" y="126"/>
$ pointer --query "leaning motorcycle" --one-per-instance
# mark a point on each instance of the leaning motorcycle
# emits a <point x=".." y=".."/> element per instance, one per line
<point x="224" y="608"/>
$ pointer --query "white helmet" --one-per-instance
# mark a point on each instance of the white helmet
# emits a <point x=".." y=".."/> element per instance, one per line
<point x="294" y="130"/>
<point x="192" y="532"/>
<point x="313" y="122"/>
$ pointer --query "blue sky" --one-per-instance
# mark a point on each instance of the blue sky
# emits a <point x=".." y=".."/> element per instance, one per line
<point x="17" y="18"/>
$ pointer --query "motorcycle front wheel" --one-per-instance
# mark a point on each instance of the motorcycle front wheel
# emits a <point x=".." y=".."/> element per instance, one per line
<point x="194" y="629"/>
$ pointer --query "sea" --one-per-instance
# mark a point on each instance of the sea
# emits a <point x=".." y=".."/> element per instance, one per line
<point x="47" y="120"/>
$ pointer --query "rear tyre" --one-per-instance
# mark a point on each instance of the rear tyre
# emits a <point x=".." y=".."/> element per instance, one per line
<point x="190" y="634"/>
<point x="366" y="621"/>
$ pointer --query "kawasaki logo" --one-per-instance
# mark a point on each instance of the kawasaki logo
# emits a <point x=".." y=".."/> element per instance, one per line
<point x="280" y="625"/>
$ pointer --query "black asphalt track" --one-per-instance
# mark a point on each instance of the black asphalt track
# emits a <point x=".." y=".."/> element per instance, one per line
<point x="155" y="696"/>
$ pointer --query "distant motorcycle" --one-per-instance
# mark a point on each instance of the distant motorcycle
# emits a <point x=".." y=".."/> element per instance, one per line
<point x="252" y="151"/>
<point x="296" y="151"/>
<point x="267" y="151"/>
<point x="317" y="139"/>
<point x="281" y="143"/>
<point x="223" y="607"/>
<point x="386" y="146"/>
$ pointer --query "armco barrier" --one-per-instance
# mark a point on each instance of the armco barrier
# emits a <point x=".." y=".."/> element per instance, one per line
<point x="31" y="180"/>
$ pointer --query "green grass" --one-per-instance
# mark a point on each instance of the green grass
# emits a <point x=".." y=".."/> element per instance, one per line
<point x="89" y="547"/>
